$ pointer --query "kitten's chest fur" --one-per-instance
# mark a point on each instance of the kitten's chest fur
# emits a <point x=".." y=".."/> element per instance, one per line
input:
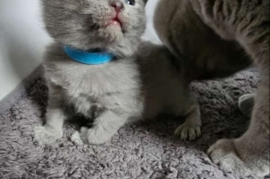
<point x="108" y="86"/>
<point x="96" y="80"/>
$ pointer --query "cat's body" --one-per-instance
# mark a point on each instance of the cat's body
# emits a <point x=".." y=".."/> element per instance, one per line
<point x="108" y="93"/>
<point x="137" y="83"/>
<point x="165" y="91"/>
<point x="219" y="38"/>
<point x="111" y="92"/>
<point x="185" y="34"/>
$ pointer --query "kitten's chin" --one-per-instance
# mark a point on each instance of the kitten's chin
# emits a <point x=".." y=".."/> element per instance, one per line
<point x="115" y="22"/>
<point x="113" y="32"/>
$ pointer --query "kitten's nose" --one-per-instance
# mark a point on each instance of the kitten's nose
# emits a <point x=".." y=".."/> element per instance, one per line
<point x="118" y="6"/>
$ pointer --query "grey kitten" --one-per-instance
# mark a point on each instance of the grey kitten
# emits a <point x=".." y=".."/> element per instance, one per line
<point x="219" y="38"/>
<point x="113" y="89"/>
<point x="140" y="83"/>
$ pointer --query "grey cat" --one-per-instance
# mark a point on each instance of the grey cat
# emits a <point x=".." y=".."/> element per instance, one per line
<point x="219" y="38"/>
<point x="111" y="91"/>
<point x="138" y="83"/>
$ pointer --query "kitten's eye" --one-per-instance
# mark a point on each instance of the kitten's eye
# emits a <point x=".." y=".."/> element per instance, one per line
<point x="131" y="2"/>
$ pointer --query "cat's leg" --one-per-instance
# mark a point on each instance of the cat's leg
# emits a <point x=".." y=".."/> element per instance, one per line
<point x="55" y="117"/>
<point x="191" y="128"/>
<point x="104" y="127"/>
<point x="248" y="22"/>
<point x="249" y="153"/>
<point x="52" y="130"/>
<point x="246" y="103"/>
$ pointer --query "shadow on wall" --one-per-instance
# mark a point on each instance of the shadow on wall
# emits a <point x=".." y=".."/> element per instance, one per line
<point x="25" y="37"/>
<point x="22" y="42"/>
<point x="22" y="58"/>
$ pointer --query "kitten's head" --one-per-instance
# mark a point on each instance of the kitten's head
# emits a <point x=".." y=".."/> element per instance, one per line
<point x="112" y="25"/>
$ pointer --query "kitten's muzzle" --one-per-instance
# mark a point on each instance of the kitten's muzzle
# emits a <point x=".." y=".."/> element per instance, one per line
<point x="117" y="5"/>
<point x="116" y="20"/>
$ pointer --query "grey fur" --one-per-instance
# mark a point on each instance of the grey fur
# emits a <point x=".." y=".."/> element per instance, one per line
<point x="166" y="92"/>
<point x="141" y="83"/>
<point x="114" y="87"/>
<point x="219" y="38"/>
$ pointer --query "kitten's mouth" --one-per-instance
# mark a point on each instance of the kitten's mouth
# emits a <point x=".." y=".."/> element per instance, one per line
<point x="115" y="21"/>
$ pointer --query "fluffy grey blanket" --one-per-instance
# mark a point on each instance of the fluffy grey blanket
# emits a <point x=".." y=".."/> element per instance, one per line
<point x="140" y="151"/>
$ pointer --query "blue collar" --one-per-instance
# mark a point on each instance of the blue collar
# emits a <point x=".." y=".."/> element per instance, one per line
<point x="88" y="58"/>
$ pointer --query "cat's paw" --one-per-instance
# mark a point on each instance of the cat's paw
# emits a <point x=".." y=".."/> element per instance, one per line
<point x="46" y="135"/>
<point x="76" y="138"/>
<point x="246" y="103"/>
<point x="94" y="136"/>
<point x="224" y="154"/>
<point x="188" y="131"/>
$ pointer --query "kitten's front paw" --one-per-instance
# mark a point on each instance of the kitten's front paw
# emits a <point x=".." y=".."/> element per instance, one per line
<point x="224" y="154"/>
<point x="46" y="135"/>
<point x="94" y="136"/>
<point x="188" y="131"/>
<point x="76" y="138"/>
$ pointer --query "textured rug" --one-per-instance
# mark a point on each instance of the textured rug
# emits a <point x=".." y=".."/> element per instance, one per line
<point x="139" y="151"/>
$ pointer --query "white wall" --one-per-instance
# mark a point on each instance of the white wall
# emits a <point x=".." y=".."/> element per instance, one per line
<point x="22" y="41"/>
<point x="150" y="33"/>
